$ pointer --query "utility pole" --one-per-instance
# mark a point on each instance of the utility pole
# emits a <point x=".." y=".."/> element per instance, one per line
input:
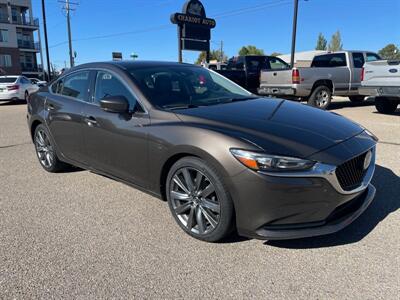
<point x="68" y="15"/>
<point x="296" y="8"/>
<point x="222" y="52"/>
<point x="46" y="41"/>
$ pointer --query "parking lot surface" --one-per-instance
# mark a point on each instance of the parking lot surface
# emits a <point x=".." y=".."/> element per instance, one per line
<point x="81" y="235"/>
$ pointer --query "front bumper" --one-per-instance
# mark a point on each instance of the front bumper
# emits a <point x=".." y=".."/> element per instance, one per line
<point x="340" y="218"/>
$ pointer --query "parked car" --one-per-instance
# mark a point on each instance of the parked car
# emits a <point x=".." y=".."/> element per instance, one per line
<point x="382" y="80"/>
<point x="332" y="74"/>
<point x="215" y="66"/>
<point x="16" y="88"/>
<point x="220" y="156"/>
<point x="245" y="70"/>
<point x="38" y="82"/>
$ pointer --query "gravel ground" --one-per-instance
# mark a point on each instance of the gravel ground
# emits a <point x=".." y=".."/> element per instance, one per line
<point x="81" y="235"/>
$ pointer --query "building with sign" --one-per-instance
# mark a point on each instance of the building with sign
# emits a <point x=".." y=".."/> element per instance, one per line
<point x="18" y="49"/>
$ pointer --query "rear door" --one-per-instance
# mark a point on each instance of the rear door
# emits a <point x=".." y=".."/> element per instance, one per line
<point x="333" y="67"/>
<point x="358" y="61"/>
<point x="64" y="107"/>
<point x="116" y="143"/>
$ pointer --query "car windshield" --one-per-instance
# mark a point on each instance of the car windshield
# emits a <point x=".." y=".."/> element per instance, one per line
<point x="8" y="79"/>
<point x="186" y="86"/>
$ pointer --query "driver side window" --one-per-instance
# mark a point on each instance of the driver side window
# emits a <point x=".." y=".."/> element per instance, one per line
<point x="108" y="85"/>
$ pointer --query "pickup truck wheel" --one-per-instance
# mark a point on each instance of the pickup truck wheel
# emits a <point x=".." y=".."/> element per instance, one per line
<point x="386" y="105"/>
<point x="357" y="99"/>
<point x="321" y="97"/>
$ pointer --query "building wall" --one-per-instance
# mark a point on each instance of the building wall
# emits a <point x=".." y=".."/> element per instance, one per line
<point x="15" y="61"/>
<point x="12" y="36"/>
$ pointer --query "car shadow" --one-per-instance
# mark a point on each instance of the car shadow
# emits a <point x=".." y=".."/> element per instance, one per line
<point x="12" y="103"/>
<point x="386" y="201"/>
<point x="336" y="104"/>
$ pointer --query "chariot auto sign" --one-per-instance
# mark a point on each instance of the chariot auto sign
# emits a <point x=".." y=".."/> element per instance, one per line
<point x="194" y="28"/>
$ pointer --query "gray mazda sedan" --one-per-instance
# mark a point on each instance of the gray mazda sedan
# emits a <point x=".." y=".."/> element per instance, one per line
<point x="223" y="158"/>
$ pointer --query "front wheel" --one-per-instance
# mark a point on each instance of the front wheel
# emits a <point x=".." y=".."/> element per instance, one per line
<point x="386" y="105"/>
<point x="46" y="151"/>
<point x="321" y="97"/>
<point x="357" y="99"/>
<point x="199" y="201"/>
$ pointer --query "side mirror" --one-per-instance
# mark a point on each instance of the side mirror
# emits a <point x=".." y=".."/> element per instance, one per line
<point x="114" y="104"/>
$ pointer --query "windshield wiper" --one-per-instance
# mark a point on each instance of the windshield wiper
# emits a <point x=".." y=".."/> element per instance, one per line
<point x="175" y="107"/>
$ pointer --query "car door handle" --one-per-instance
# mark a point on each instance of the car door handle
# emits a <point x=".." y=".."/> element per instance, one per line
<point x="90" y="121"/>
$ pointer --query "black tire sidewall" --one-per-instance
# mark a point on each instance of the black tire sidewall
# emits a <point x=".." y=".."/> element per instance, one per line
<point x="313" y="96"/>
<point x="226" y="222"/>
<point x="385" y="105"/>
<point x="26" y="96"/>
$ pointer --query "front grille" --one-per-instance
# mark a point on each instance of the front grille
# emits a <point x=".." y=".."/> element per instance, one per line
<point x="351" y="174"/>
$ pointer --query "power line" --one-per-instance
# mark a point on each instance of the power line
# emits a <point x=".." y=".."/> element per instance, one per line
<point x="165" y="26"/>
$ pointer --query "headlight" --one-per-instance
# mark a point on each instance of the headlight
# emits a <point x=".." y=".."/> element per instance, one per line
<point x="265" y="162"/>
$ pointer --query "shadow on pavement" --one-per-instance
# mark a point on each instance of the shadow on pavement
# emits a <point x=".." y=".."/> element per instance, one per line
<point x="387" y="201"/>
<point x="12" y="103"/>
<point x="347" y="103"/>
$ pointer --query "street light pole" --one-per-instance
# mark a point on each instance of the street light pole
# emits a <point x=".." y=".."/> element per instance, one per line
<point x="46" y="41"/>
<point x="296" y="8"/>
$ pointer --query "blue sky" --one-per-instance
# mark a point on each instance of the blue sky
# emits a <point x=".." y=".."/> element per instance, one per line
<point x="143" y="26"/>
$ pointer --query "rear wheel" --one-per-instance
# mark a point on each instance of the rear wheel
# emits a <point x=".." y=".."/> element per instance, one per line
<point x="357" y="99"/>
<point x="46" y="151"/>
<point x="199" y="201"/>
<point x="386" y="105"/>
<point x="321" y="97"/>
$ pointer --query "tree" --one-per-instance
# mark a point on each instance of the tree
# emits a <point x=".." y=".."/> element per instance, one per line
<point x="276" y="54"/>
<point x="250" y="50"/>
<point x="321" y="42"/>
<point x="336" y="42"/>
<point x="214" y="55"/>
<point x="391" y="52"/>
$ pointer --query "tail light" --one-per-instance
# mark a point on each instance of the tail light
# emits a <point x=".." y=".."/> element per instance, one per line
<point x="362" y="74"/>
<point x="295" y="76"/>
<point x="14" y="87"/>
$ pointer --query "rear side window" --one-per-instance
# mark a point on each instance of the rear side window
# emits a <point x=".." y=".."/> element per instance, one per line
<point x="76" y="85"/>
<point x="108" y="85"/>
<point x="329" y="61"/>
<point x="358" y="60"/>
<point x="276" y="63"/>
<point x="373" y="57"/>
<point x="236" y="63"/>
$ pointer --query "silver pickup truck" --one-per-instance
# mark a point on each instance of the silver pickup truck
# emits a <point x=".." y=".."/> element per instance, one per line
<point x="382" y="80"/>
<point x="331" y="74"/>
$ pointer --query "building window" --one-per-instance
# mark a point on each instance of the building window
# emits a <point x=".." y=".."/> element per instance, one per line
<point x="3" y="35"/>
<point x="5" y="60"/>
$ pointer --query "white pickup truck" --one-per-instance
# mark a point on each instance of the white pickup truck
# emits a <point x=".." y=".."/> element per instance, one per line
<point x="331" y="74"/>
<point x="382" y="80"/>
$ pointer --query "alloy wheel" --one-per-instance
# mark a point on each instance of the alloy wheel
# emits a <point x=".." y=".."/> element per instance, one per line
<point x="44" y="149"/>
<point x="322" y="98"/>
<point x="195" y="201"/>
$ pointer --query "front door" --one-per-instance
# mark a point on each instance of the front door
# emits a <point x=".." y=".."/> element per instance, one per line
<point x="64" y="107"/>
<point x="116" y="143"/>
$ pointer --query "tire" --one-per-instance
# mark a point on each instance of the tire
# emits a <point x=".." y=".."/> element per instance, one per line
<point x="321" y="97"/>
<point x="26" y="96"/>
<point x="357" y="99"/>
<point x="386" y="105"/>
<point x="205" y="211"/>
<point x="46" y="151"/>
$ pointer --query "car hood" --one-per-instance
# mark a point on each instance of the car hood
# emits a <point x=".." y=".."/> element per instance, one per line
<point x="275" y="126"/>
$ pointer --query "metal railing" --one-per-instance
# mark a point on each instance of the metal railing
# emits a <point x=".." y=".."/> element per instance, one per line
<point x="29" y="67"/>
<point x="28" y="45"/>
<point x="25" y="20"/>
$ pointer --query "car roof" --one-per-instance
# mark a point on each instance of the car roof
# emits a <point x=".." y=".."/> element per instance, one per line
<point x="125" y="64"/>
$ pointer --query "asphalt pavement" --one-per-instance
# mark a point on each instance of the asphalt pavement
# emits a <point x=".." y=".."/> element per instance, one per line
<point x="83" y="236"/>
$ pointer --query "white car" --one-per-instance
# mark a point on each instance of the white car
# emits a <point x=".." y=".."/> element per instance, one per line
<point x="14" y="88"/>
<point x="38" y="82"/>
